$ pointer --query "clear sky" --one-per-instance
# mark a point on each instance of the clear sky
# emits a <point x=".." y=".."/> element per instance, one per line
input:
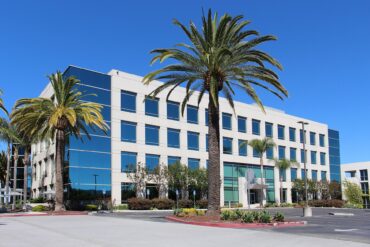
<point x="324" y="47"/>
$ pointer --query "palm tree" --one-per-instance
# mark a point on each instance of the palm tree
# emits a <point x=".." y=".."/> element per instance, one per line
<point x="64" y="114"/>
<point x="220" y="58"/>
<point x="2" y="167"/>
<point x="2" y="107"/>
<point x="261" y="147"/>
<point x="283" y="165"/>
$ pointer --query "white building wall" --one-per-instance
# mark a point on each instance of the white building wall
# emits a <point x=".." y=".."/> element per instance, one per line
<point x="356" y="168"/>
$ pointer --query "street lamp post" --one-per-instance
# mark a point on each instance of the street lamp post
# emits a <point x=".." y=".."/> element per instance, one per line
<point x="307" y="211"/>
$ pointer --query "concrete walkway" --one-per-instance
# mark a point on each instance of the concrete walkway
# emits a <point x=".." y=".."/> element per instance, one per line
<point x="108" y="231"/>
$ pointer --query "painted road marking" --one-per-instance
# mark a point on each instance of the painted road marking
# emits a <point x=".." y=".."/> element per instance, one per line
<point x="345" y="230"/>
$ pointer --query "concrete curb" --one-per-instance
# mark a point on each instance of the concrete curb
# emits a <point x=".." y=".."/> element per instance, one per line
<point x="238" y="225"/>
<point x="9" y="215"/>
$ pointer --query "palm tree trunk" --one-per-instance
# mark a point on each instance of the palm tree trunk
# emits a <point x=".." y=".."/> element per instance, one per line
<point x="59" y="164"/>
<point x="15" y="165"/>
<point x="25" y="175"/>
<point x="281" y="189"/>
<point x="262" y="182"/>
<point x="214" y="180"/>
<point x="7" y="175"/>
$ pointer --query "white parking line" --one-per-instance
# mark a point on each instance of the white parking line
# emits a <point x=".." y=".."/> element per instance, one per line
<point x="345" y="230"/>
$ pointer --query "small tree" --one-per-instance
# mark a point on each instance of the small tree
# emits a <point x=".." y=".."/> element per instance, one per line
<point x="179" y="178"/>
<point x="138" y="176"/>
<point x="200" y="178"/>
<point x="323" y="189"/>
<point x="159" y="176"/>
<point x="298" y="186"/>
<point x="353" y="193"/>
<point x="335" y="190"/>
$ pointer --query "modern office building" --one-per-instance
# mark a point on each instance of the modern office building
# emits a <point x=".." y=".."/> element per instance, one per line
<point x="152" y="131"/>
<point x="357" y="173"/>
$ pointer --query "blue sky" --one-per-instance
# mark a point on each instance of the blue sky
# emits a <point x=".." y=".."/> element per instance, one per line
<point x="323" y="46"/>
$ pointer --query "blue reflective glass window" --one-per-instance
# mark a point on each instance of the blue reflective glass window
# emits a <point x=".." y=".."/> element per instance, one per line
<point x="322" y="159"/>
<point x="151" y="107"/>
<point x="173" y="138"/>
<point x="281" y="152"/>
<point x="242" y="124"/>
<point x="268" y="129"/>
<point x="256" y="127"/>
<point x="227" y="145"/>
<point x="226" y="121"/>
<point x="173" y="160"/>
<point x="128" y="131"/>
<point x="282" y="174"/>
<point x="303" y="174"/>
<point x="97" y="95"/>
<point x="314" y="175"/>
<point x="94" y="130"/>
<point x="302" y="137"/>
<point x="303" y="156"/>
<point x="313" y="157"/>
<point x="323" y="176"/>
<point x="173" y="110"/>
<point x="270" y="153"/>
<point x="293" y="174"/>
<point x="256" y="154"/>
<point x="206" y="117"/>
<point x="193" y="140"/>
<point x="312" y="138"/>
<point x="89" y="77"/>
<point x="193" y="164"/>
<point x="292" y="134"/>
<point x="128" y="101"/>
<point x="293" y="154"/>
<point x="322" y="140"/>
<point x="151" y="161"/>
<point x="106" y="112"/>
<point x="95" y="143"/>
<point x="88" y="159"/>
<point x="243" y="147"/>
<point x="128" y="161"/>
<point x="89" y="176"/>
<point x="192" y="114"/>
<point x="151" y="135"/>
<point x="281" y="132"/>
<point x="207" y="147"/>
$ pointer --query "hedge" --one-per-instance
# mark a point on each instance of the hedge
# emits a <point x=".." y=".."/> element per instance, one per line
<point x="162" y="203"/>
<point x="327" y="203"/>
<point x="139" y="204"/>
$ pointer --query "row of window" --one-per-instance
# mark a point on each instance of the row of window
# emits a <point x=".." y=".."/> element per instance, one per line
<point x="294" y="171"/>
<point x="128" y="103"/>
<point x="129" y="161"/>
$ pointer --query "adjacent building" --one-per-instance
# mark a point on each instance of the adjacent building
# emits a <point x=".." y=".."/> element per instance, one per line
<point x="358" y="173"/>
<point x="153" y="131"/>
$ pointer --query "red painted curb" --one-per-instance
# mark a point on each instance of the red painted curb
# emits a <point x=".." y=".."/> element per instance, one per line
<point x="237" y="225"/>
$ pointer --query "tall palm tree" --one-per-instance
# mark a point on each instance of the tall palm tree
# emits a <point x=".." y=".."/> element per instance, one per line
<point x="2" y="106"/>
<point x="2" y="167"/>
<point x="283" y="165"/>
<point x="261" y="147"/>
<point x="220" y="58"/>
<point x="64" y="114"/>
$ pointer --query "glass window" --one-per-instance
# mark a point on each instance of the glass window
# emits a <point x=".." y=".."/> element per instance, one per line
<point x="323" y="176"/>
<point x="226" y="121"/>
<point x="313" y="158"/>
<point x="151" y="135"/>
<point x="207" y="147"/>
<point x="173" y="138"/>
<point x="95" y="143"/>
<point x="193" y="140"/>
<point x="88" y="159"/>
<point x="256" y="154"/>
<point x="314" y="175"/>
<point x="128" y="161"/>
<point x="193" y="164"/>
<point x="292" y="134"/>
<point x="293" y="154"/>
<point x="128" y="131"/>
<point x="256" y="127"/>
<point x="206" y="117"/>
<point x="151" y="107"/>
<point x="281" y="130"/>
<point x="322" y="159"/>
<point x="127" y="191"/>
<point x="282" y="174"/>
<point x="173" y="110"/>
<point x="364" y="175"/>
<point x="312" y="138"/>
<point x="322" y="140"/>
<point x="268" y="129"/>
<point x="151" y="161"/>
<point x="128" y="101"/>
<point x="293" y="174"/>
<point x="303" y="158"/>
<point x="303" y="174"/>
<point x="365" y="188"/>
<point x="350" y="174"/>
<point x="242" y="147"/>
<point x="301" y="136"/>
<point x="192" y="113"/>
<point x="173" y="160"/>
<point x="227" y="145"/>
<point x="270" y="153"/>
<point x="92" y="94"/>
<point x="281" y="152"/>
<point x="242" y="124"/>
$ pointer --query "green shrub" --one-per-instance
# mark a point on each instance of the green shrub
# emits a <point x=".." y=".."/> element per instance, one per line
<point x="121" y="207"/>
<point x="353" y="193"/>
<point x="270" y="205"/>
<point x="186" y="204"/>
<point x="279" y="217"/>
<point x="38" y="200"/>
<point x="256" y="215"/>
<point x="265" y="217"/>
<point x="287" y="205"/>
<point x="202" y="204"/>
<point x="200" y="212"/>
<point x="327" y="203"/>
<point x="351" y="205"/>
<point x="239" y="213"/>
<point x="91" y="207"/>
<point x="247" y="217"/>
<point x="163" y="203"/>
<point x="39" y="208"/>
<point x="139" y="204"/>
<point x="226" y="214"/>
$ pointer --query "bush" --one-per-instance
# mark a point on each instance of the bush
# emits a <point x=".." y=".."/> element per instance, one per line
<point x="202" y="204"/>
<point x="327" y="203"/>
<point x="121" y="207"/>
<point x="287" y="205"/>
<point x="279" y="217"/>
<point x="271" y="205"/>
<point x="163" y="203"/>
<point x="265" y="217"/>
<point x="353" y="193"/>
<point x="186" y="204"/>
<point x="351" y="205"/>
<point x="256" y="215"/>
<point x="38" y="200"/>
<point x="139" y="204"/>
<point x="39" y="208"/>
<point x="91" y="207"/>
<point x="247" y="217"/>
<point x="186" y="212"/>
